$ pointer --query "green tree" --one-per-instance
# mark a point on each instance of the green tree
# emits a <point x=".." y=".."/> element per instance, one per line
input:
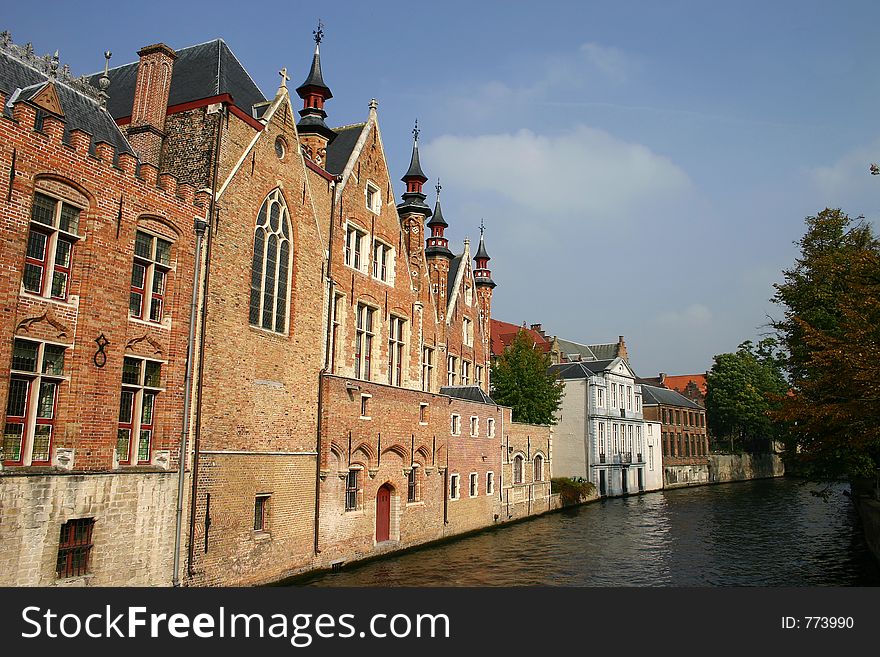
<point x="521" y="380"/>
<point x="832" y="331"/>
<point x="743" y="388"/>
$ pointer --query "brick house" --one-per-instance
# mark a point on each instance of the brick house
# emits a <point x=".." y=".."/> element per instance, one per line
<point x="98" y="268"/>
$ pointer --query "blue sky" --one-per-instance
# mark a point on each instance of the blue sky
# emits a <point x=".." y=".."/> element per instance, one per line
<point x="642" y="168"/>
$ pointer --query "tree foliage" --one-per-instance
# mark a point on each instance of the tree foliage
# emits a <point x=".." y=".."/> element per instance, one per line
<point x="521" y="380"/>
<point x="743" y="388"/>
<point x="831" y="330"/>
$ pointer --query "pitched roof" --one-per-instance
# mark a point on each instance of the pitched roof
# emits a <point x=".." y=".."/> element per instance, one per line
<point x="200" y="71"/>
<point x="468" y="393"/>
<point x="654" y="395"/>
<point x="315" y="78"/>
<point x="680" y="382"/>
<point x="81" y="109"/>
<point x="454" y="264"/>
<point x="502" y="335"/>
<point x="340" y="149"/>
<point x="575" y="351"/>
<point x="582" y="369"/>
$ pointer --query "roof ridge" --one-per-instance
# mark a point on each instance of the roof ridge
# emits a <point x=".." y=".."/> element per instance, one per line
<point x="350" y="126"/>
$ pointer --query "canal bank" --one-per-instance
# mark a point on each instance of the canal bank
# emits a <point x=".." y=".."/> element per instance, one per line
<point x="724" y="468"/>
<point x="866" y="497"/>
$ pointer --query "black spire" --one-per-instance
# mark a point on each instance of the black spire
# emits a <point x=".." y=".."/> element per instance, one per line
<point x="437" y="219"/>
<point x="481" y="252"/>
<point x="413" y="198"/>
<point x="314" y="93"/>
<point x="437" y="244"/>
<point x="415" y="167"/>
<point x="482" y="275"/>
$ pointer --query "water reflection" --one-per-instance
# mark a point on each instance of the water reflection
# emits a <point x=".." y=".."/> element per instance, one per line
<point x="761" y="533"/>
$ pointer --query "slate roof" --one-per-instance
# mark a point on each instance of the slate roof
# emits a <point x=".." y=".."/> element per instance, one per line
<point x="653" y="395"/>
<point x="573" y="350"/>
<point x="581" y="370"/>
<point x="340" y="149"/>
<point x="415" y="167"/>
<point x="469" y="393"/>
<point x="315" y="78"/>
<point x="200" y="71"/>
<point x="81" y="111"/>
<point x="454" y="264"/>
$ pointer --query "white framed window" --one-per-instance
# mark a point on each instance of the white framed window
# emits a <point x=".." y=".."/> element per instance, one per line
<point x="490" y="483"/>
<point x="396" y="350"/>
<point x="373" y="198"/>
<point x="36" y="376"/>
<point x="467" y="331"/>
<point x="601" y="442"/>
<point x="638" y="403"/>
<point x="452" y="370"/>
<point x="472" y="485"/>
<point x="141" y="384"/>
<point x="490" y="427"/>
<point x="354" y="247"/>
<point x="363" y="343"/>
<point x="334" y="330"/>
<point x="475" y="425"/>
<point x="365" y="406"/>
<point x="383" y="262"/>
<point x="454" y="489"/>
<point x="639" y="440"/>
<point x="478" y="375"/>
<point x="616" y="442"/>
<point x="629" y="400"/>
<point x="261" y="513"/>
<point x="465" y="372"/>
<point x="427" y="368"/>
<point x="51" y="239"/>
<point x="600" y="397"/>
<point x="650" y="457"/>
<point x="149" y="273"/>
<point x="455" y="425"/>
<point x="270" y="268"/>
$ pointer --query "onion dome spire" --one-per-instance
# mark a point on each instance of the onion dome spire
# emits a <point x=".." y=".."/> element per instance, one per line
<point x="482" y="275"/>
<point x="437" y="244"/>
<point x="413" y="198"/>
<point x="315" y="92"/>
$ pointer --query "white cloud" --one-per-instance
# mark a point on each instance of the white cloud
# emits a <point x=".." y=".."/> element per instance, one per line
<point x="847" y="180"/>
<point x="584" y="173"/>
<point x="612" y="62"/>
<point x="694" y="316"/>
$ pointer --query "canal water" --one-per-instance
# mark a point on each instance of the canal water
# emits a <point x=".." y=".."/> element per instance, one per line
<point x="770" y="532"/>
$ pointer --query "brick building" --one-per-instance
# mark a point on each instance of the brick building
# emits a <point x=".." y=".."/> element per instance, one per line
<point x="692" y="386"/>
<point x="684" y="439"/>
<point x="98" y="267"/>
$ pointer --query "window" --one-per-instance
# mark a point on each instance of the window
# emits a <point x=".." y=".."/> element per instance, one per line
<point x="650" y="457"/>
<point x="465" y="372"/>
<point x="616" y="443"/>
<point x="472" y="487"/>
<point x="638" y="403"/>
<point x="50" y="243"/>
<point x="383" y="262"/>
<point x="452" y="371"/>
<point x="629" y="438"/>
<point x="334" y="331"/>
<point x="37" y="373"/>
<point x="423" y="413"/>
<point x="373" y="198"/>
<point x="354" y="244"/>
<point x="475" y="426"/>
<point x="629" y="392"/>
<point x="601" y="442"/>
<point x="74" y="547"/>
<point x="665" y="419"/>
<point x="639" y="442"/>
<point x="490" y="427"/>
<point x="152" y="258"/>
<point x="467" y="332"/>
<point x="365" y="407"/>
<point x="539" y="468"/>
<point x="614" y="395"/>
<point x="352" y="486"/>
<point x="478" y="375"/>
<point x="490" y="483"/>
<point x="427" y="368"/>
<point x="678" y="417"/>
<point x="412" y="485"/>
<point x="395" y="350"/>
<point x="363" y="342"/>
<point x="600" y="397"/>
<point x="141" y="381"/>
<point x="456" y="424"/>
<point x="261" y="513"/>
<point x="453" y="487"/>
<point x="270" y="273"/>
<point x="468" y="295"/>
<point x="518" y="469"/>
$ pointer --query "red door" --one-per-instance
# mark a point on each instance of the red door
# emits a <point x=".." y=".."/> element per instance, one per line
<point x="383" y="514"/>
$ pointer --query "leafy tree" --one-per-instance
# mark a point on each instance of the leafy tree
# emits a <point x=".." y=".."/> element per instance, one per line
<point x="743" y="387"/>
<point x="521" y="380"/>
<point x="832" y="331"/>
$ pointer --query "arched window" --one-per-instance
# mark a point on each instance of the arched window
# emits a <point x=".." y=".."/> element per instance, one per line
<point x="518" y="469"/>
<point x="270" y="277"/>
<point x="539" y="468"/>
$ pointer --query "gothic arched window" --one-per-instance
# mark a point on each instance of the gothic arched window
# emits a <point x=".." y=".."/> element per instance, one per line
<point x="270" y="276"/>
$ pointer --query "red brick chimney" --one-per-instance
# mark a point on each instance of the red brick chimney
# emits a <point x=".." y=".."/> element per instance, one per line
<point x="147" y="130"/>
<point x="621" y="348"/>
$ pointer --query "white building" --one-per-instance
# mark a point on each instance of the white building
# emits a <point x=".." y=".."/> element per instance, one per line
<point x="653" y="456"/>
<point x="601" y="435"/>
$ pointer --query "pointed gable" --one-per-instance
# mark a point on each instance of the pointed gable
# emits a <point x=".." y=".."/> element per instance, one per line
<point x="47" y="100"/>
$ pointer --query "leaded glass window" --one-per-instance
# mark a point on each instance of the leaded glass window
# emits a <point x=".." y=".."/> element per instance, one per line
<point x="270" y="275"/>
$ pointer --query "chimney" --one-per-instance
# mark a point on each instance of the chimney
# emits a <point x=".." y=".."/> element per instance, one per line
<point x="147" y="130"/>
<point x="621" y="348"/>
<point x="662" y="378"/>
<point x="540" y="331"/>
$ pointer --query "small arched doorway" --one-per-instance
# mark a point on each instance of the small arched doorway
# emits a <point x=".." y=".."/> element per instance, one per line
<point x="383" y="513"/>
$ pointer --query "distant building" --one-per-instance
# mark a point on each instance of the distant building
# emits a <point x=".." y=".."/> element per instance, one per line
<point x="692" y="386"/>
<point x="683" y="435"/>
<point x="504" y="333"/>
<point x="572" y="352"/>
<point x="653" y="456"/>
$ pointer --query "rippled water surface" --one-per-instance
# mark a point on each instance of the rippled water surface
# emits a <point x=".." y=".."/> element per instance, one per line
<point x="761" y="533"/>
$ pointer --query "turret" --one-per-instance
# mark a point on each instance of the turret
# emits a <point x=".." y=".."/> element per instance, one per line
<point x="314" y="135"/>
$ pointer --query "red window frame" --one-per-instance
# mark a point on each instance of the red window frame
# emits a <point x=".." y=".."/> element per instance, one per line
<point x="140" y="291"/>
<point x="40" y="263"/>
<point x="21" y="420"/>
<point x="40" y="421"/>
<point x="74" y="547"/>
<point x="126" y="426"/>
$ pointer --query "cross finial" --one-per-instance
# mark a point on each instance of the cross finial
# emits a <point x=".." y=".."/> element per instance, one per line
<point x="284" y="76"/>
<point x="482" y="227"/>
<point x="438" y="187"/>
<point x="319" y="33"/>
<point x="415" y="131"/>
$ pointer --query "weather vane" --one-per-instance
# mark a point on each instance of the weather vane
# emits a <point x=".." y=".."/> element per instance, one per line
<point x="482" y="226"/>
<point x="319" y="33"/>
<point x="438" y="187"/>
<point x="415" y="131"/>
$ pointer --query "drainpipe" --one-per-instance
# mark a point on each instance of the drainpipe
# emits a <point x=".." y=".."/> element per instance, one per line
<point x="212" y="212"/>
<point x="200" y="226"/>
<point x="327" y="359"/>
